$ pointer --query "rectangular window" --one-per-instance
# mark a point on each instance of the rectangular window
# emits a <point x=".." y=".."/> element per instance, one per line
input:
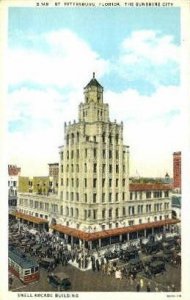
<point x="94" y="198"/>
<point x="166" y="194"/>
<point x="86" y="152"/>
<point x="95" y="168"/>
<point x="117" y="168"/>
<point x="116" y="197"/>
<point x="77" y="153"/>
<point x="103" y="168"/>
<point x="95" y="153"/>
<point x="61" y="168"/>
<point x="110" y="154"/>
<point x="103" y="214"/>
<point x="94" y="214"/>
<point x="103" y="197"/>
<point x="72" y="154"/>
<point x="104" y="153"/>
<point x="61" y="155"/>
<point x="94" y="182"/>
<point x="85" y="167"/>
<point x="61" y="181"/>
<point x="123" y="196"/>
<point x="67" y="154"/>
<point x="77" y="196"/>
<point x="110" y="197"/>
<point x="131" y="196"/>
<point x="103" y="182"/>
<point x="116" y="182"/>
<point x="110" y="182"/>
<point x="124" y="211"/>
<point x="85" y="182"/>
<point x="85" y="198"/>
<point x="117" y="154"/>
<point x="148" y="195"/>
<point x="110" y="168"/>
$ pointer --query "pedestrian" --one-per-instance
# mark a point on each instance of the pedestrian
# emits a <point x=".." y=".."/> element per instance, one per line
<point x="156" y="288"/>
<point x="138" y="287"/>
<point x="141" y="283"/>
<point x="97" y="265"/>
<point x="148" y="287"/>
<point x="173" y="287"/>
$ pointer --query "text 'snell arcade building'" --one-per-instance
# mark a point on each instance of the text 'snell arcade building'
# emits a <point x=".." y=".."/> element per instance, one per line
<point x="95" y="204"/>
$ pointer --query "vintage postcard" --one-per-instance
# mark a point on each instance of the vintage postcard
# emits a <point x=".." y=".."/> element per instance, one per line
<point x="95" y="149"/>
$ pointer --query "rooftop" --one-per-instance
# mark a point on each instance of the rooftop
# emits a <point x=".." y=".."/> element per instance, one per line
<point x="93" y="82"/>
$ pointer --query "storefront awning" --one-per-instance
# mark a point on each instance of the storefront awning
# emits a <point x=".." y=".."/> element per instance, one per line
<point x="29" y="218"/>
<point x="91" y="236"/>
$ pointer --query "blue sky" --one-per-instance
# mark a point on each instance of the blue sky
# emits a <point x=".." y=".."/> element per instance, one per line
<point x="135" y="53"/>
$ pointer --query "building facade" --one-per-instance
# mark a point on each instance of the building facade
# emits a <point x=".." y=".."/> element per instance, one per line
<point x="13" y="175"/>
<point x="94" y="168"/>
<point x="95" y="203"/>
<point x="54" y="176"/>
<point x="177" y="171"/>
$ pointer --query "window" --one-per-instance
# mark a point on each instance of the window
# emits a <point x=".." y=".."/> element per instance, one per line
<point x="123" y="181"/>
<point x="72" y="168"/>
<point x="77" y="168"/>
<point x="124" y="211"/>
<point x="131" y="223"/>
<point x="77" y="137"/>
<point x="61" y="154"/>
<point x="77" y="153"/>
<point x="61" y="210"/>
<point x="76" y="212"/>
<point x="71" y="212"/>
<point x="72" y="196"/>
<point x="103" y="214"/>
<point x="110" y="182"/>
<point x="61" y="181"/>
<point x="67" y="181"/>
<point x="123" y="168"/>
<point x="77" y="196"/>
<point x="67" y="154"/>
<point x="116" y="182"/>
<point x="85" y="182"/>
<point x="110" y="154"/>
<point x="85" y="167"/>
<point x="117" y="212"/>
<point x="61" y="168"/>
<point x="110" y="168"/>
<point x="72" y="154"/>
<point x="94" y="214"/>
<point x="85" y="197"/>
<point x="117" y="154"/>
<point x="95" y="153"/>
<point x="67" y="196"/>
<point x="123" y="196"/>
<point x="140" y="221"/>
<point x="148" y="195"/>
<point x="72" y="182"/>
<point x="131" y="196"/>
<point x="110" y="197"/>
<point x="95" y="168"/>
<point x="103" y="197"/>
<point x="117" y="168"/>
<point x="86" y="152"/>
<point x="116" y="197"/>
<point x="94" y="182"/>
<point x="166" y="194"/>
<point x="110" y="213"/>
<point x="103" y="182"/>
<point x="103" y="168"/>
<point x="117" y="138"/>
<point x="77" y="182"/>
<point x="104" y="153"/>
<point x="94" y="198"/>
<point x="67" y="169"/>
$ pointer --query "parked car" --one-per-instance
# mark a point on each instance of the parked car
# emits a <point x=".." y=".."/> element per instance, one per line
<point x="157" y="267"/>
<point x="60" y="281"/>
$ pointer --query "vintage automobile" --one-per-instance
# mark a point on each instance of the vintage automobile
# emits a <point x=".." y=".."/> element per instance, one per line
<point x="46" y="262"/>
<point x="128" y="254"/>
<point x="157" y="267"/>
<point x="151" y="247"/>
<point x="133" y="267"/>
<point x="60" y="281"/>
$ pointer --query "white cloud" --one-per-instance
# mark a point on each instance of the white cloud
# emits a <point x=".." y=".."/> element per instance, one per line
<point x="153" y="127"/>
<point x="67" y="62"/>
<point x="148" y="56"/>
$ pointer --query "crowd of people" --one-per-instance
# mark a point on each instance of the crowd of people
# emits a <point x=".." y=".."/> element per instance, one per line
<point x="50" y="247"/>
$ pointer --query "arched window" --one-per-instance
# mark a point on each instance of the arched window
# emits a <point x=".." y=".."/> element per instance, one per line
<point x="67" y="139"/>
<point x="77" y="137"/>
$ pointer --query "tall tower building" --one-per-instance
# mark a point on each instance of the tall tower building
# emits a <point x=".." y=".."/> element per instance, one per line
<point x="177" y="170"/>
<point x="94" y="166"/>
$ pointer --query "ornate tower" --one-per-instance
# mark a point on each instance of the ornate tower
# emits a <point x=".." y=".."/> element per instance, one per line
<point x="94" y="166"/>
